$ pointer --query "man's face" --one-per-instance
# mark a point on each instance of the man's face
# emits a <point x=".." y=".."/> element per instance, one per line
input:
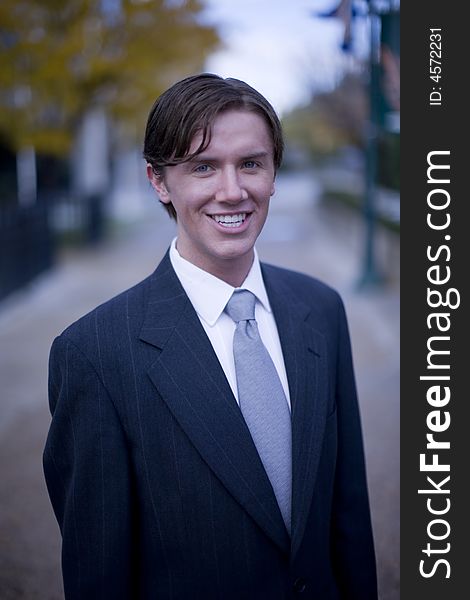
<point x="221" y="196"/>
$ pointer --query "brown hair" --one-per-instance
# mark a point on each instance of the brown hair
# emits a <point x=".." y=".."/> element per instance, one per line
<point x="189" y="107"/>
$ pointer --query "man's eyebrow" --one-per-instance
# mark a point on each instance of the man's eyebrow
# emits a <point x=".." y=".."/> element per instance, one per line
<point x="199" y="158"/>
<point x="260" y="154"/>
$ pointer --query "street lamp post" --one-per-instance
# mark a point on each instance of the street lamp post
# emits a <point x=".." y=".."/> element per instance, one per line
<point x="370" y="275"/>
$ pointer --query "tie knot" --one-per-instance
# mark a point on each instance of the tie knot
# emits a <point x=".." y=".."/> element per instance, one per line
<point x="241" y="306"/>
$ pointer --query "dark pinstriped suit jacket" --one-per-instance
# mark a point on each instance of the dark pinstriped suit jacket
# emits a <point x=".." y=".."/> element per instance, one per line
<point x="153" y="476"/>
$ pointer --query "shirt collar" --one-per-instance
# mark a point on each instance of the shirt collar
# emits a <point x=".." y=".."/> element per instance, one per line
<point x="209" y="294"/>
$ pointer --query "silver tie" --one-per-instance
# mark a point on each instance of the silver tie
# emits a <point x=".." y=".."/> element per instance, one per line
<point x="262" y="400"/>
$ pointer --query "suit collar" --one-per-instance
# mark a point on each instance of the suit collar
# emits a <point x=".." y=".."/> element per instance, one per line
<point x="165" y="303"/>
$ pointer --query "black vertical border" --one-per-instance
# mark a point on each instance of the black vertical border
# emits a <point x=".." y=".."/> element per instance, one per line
<point x="426" y="128"/>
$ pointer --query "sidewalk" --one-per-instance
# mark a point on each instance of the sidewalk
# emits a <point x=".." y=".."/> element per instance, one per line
<point x="300" y="234"/>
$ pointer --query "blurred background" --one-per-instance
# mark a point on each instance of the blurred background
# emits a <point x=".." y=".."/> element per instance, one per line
<point x="79" y="222"/>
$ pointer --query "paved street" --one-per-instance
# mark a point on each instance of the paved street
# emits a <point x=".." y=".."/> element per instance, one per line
<point x="301" y="233"/>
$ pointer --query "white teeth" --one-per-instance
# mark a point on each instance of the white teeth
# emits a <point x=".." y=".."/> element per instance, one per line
<point x="230" y="220"/>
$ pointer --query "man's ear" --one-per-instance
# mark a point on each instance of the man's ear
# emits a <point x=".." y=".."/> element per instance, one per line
<point x="273" y="187"/>
<point x="158" y="184"/>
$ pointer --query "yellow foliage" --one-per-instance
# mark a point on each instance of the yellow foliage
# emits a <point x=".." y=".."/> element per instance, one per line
<point x="60" y="57"/>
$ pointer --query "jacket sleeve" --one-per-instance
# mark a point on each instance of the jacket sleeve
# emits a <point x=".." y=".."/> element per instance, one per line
<point x="86" y="465"/>
<point x="353" y="547"/>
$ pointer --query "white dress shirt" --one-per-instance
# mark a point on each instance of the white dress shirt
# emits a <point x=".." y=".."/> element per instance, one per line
<point x="209" y="295"/>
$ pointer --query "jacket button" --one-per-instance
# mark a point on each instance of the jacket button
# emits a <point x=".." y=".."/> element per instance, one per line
<point x="300" y="585"/>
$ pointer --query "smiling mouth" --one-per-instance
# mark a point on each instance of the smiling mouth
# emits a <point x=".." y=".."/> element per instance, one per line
<point x="230" y="221"/>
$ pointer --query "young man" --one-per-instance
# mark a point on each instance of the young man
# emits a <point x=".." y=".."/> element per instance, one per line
<point x="205" y="441"/>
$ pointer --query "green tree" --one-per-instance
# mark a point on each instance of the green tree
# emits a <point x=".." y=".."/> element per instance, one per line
<point x="60" y="57"/>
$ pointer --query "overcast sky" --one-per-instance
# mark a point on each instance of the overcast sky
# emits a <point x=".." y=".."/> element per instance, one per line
<point x="279" y="47"/>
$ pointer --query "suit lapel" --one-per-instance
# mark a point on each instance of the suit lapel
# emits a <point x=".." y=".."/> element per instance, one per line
<point x="304" y="351"/>
<point x="191" y="381"/>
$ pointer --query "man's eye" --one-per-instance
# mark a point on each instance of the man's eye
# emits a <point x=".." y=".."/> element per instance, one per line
<point x="249" y="164"/>
<point x="202" y="169"/>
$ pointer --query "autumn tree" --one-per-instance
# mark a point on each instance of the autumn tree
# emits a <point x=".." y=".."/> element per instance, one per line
<point x="58" y="58"/>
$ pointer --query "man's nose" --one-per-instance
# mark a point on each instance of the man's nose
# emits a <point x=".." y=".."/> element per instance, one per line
<point x="230" y="187"/>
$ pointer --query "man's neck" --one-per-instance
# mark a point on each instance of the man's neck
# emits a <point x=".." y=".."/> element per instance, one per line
<point x="232" y="271"/>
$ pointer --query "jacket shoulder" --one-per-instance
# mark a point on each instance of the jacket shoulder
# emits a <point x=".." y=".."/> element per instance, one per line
<point x="306" y="288"/>
<point x="124" y="309"/>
